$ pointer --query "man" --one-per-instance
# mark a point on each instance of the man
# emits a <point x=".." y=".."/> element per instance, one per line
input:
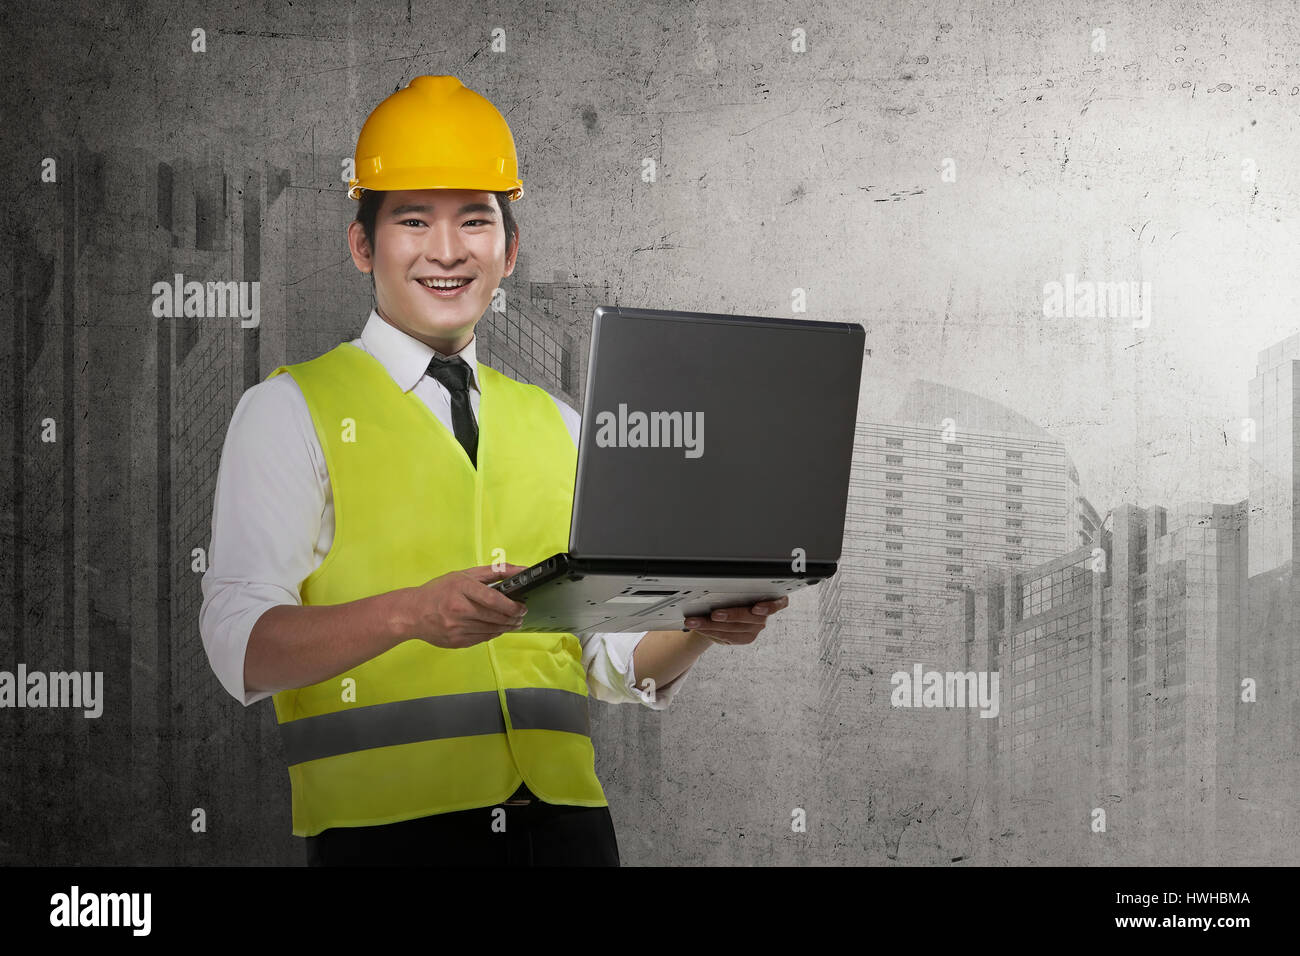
<point x="365" y="501"/>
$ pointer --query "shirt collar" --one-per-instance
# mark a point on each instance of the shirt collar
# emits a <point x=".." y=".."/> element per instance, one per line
<point x="407" y="358"/>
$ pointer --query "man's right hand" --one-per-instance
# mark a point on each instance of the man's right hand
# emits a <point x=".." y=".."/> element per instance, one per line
<point x="458" y="609"/>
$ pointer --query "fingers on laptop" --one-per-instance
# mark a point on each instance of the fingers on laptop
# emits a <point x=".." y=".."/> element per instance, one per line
<point x="770" y="607"/>
<point x="728" y="619"/>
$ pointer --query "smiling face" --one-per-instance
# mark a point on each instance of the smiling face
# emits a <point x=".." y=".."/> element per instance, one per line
<point x="435" y="234"/>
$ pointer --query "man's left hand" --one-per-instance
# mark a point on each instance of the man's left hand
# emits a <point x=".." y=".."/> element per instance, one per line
<point x="736" y="625"/>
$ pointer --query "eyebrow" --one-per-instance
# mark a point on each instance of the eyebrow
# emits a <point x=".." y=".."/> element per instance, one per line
<point x="421" y="207"/>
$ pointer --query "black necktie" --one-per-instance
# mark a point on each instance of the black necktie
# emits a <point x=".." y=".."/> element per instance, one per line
<point x="454" y="376"/>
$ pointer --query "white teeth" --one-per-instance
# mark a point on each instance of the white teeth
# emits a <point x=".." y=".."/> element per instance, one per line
<point x="444" y="283"/>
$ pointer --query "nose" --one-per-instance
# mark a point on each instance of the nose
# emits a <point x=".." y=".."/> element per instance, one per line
<point x="443" y="244"/>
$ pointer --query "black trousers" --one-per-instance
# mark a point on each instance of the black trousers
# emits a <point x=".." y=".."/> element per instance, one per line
<point x="536" y="834"/>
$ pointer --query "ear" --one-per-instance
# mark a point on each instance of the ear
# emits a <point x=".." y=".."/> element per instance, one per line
<point x="361" y="253"/>
<point x="512" y="253"/>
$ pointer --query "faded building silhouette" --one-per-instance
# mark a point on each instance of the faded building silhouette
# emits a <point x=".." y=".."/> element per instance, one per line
<point x="946" y="488"/>
<point x="1118" y="666"/>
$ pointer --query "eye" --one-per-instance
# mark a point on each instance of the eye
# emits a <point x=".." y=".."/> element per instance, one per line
<point x="420" y="221"/>
<point x="486" y="222"/>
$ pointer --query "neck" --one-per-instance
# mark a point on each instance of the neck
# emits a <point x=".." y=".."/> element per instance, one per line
<point x="446" y="347"/>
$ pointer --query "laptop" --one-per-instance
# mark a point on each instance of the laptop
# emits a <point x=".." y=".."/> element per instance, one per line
<point x="713" y="469"/>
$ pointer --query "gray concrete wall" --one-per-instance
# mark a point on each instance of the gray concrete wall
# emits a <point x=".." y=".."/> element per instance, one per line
<point x="925" y="169"/>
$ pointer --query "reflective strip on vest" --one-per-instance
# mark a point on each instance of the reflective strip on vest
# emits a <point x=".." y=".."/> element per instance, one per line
<point x="433" y="718"/>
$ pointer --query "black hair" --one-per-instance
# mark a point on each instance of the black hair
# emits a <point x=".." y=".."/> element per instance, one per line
<point x="372" y="199"/>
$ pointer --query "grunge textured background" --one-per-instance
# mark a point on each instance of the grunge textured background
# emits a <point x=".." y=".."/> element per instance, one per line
<point x="926" y="169"/>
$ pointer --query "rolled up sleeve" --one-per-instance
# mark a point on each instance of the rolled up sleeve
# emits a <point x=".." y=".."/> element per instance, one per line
<point x="266" y="516"/>
<point x="611" y="673"/>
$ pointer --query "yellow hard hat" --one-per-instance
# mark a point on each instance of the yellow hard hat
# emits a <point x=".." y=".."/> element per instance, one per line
<point x="436" y="134"/>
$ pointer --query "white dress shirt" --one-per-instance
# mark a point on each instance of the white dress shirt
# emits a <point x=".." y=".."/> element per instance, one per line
<point x="273" y="517"/>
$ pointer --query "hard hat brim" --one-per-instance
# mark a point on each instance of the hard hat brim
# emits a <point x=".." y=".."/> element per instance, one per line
<point x="434" y="177"/>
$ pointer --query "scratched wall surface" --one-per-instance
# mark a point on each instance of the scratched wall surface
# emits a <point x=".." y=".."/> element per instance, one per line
<point x="929" y="170"/>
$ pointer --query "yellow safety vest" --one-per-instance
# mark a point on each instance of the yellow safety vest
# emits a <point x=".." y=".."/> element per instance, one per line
<point x="421" y="729"/>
